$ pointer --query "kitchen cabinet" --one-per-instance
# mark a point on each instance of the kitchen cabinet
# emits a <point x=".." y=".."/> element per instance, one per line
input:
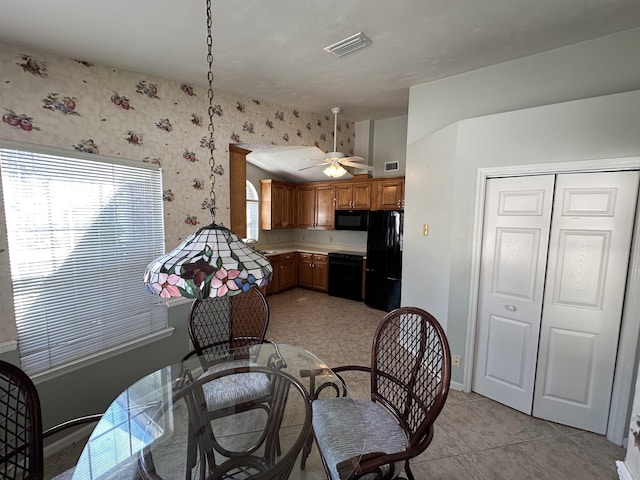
<point x="277" y="207"/>
<point x="353" y="196"/>
<point x="285" y="272"/>
<point x="315" y="204"/>
<point x="288" y="270"/>
<point x="313" y="271"/>
<point x="390" y="194"/>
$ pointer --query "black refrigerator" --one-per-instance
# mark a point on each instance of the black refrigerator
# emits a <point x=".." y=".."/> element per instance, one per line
<point x="384" y="260"/>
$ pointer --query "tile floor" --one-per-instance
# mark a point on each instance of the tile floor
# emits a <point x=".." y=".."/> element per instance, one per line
<point x="475" y="438"/>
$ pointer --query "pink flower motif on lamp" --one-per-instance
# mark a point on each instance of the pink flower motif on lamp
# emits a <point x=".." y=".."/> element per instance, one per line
<point x="167" y="285"/>
<point x="223" y="281"/>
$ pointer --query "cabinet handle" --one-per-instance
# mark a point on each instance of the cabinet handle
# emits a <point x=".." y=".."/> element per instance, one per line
<point x="511" y="308"/>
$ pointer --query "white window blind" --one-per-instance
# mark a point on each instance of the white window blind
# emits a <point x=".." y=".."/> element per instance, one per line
<point x="81" y="233"/>
<point x="252" y="212"/>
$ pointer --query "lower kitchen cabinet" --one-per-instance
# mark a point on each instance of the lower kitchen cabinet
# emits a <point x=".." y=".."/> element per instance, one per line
<point x="285" y="272"/>
<point x="288" y="270"/>
<point x="313" y="271"/>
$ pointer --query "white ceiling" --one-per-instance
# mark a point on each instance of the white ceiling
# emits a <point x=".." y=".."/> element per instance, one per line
<point x="272" y="49"/>
<point x="278" y="160"/>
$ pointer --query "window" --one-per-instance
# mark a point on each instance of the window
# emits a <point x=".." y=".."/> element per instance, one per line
<point x="81" y="233"/>
<point x="252" y="212"/>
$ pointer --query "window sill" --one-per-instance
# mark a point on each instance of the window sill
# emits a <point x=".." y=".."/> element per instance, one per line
<point x="8" y="346"/>
<point x="98" y="357"/>
<point x="175" y="301"/>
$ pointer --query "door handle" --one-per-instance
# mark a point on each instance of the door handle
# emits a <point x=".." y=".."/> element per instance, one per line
<point x="511" y="308"/>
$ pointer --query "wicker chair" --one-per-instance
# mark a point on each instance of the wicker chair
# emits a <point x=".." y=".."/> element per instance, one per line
<point x="222" y="331"/>
<point x="201" y="460"/>
<point x="410" y="374"/>
<point x="21" y="435"/>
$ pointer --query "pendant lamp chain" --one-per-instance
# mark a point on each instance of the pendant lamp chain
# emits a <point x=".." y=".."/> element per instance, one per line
<point x="213" y="261"/>
<point x="212" y="161"/>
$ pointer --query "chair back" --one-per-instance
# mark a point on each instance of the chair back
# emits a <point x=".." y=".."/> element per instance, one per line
<point x="411" y="371"/>
<point x="21" y="451"/>
<point x="207" y="458"/>
<point x="219" y="324"/>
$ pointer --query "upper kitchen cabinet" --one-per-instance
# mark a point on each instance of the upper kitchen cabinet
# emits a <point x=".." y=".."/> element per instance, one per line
<point x="353" y="196"/>
<point x="390" y="194"/>
<point x="277" y="205"/>
<point x="315" y="206"/>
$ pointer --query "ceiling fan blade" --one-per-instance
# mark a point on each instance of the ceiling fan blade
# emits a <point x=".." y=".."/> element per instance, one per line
<point x="353" y="159"/>
<point x="347" y="163"/>
<point x="314" y="166"/>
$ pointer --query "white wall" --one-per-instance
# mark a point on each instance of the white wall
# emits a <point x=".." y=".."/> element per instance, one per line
<point x="429" y="200"/>
<point x="601" y="127"/>
<point x="596" y="67"/>
<point x="390" y="145"/>
<point x="363" y="143"/>
<point x="436" y="269"/>
<point x="382" y="141"/>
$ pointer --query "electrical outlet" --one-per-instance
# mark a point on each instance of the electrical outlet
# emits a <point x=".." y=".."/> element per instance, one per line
<point x="456" y="360"/>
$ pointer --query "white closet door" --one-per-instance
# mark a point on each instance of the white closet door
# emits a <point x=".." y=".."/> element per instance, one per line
<point x="514" y="251"/>
<point x="589" y="245"/>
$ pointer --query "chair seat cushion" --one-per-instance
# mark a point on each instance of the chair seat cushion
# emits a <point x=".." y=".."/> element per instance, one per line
<point x="338" y="424"/>
<point x="231" y="390"/>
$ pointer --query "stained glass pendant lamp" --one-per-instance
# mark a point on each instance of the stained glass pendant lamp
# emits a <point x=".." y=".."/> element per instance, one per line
<point x="213" y="261"/>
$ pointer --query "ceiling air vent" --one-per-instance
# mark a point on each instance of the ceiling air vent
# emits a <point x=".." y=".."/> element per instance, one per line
<point x="348" y="45"/>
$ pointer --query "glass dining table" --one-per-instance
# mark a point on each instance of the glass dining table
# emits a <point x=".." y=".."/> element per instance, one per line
<point x="159" y="427"/>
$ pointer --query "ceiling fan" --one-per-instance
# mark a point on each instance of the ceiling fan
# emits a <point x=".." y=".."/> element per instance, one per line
<point x="336" y="161"/>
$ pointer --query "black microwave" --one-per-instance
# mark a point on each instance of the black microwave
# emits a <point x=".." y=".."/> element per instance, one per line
<point x="352" y="220"/>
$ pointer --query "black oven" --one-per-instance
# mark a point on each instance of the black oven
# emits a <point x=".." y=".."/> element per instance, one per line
<point x="351" y="220"/>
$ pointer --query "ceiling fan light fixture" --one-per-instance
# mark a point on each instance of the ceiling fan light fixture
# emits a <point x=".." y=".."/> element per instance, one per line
<point x="348" y="45"/>
<point x="334" y="170"/>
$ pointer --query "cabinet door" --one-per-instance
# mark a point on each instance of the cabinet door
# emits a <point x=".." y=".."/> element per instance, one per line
<point x="324" y="207"/>
<point x="306" y="206"/>
<point x="278" y="209"/>
<point x="390" y="194"/>
<point x="321" y="273"/>
<point x="277" y="205"/>
<point x="274" y="285"/>
<point x="344" y="196"/>
<point x="305" y="270"/>
<point x="361" y="196"/>
<point x="289" y="214"/>
<point x="288" y="271"/>
<point x="266" y="200"/>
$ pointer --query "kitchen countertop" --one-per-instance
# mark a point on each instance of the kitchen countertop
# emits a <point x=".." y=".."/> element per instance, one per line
<point x="266" y="251"/>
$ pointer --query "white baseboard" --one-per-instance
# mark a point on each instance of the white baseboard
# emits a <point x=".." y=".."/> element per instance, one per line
<point x="456" y="386"/>
<point x="65" y="442"/>
<point x="623" y="471"/>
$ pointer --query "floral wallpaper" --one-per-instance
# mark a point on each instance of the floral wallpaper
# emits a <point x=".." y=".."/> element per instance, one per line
<point x="75" y="105"/>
